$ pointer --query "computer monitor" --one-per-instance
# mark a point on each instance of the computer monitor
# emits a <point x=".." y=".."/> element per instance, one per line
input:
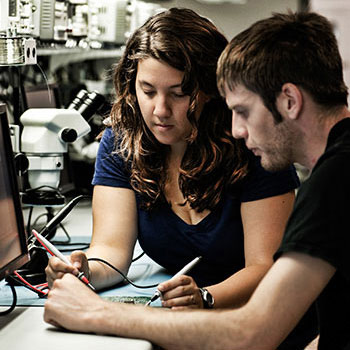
<point x="43" y="96"/>
<point x="13" y="240"/>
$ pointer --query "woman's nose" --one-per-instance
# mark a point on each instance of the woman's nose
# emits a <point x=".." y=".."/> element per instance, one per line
<point x="161" y="107"/>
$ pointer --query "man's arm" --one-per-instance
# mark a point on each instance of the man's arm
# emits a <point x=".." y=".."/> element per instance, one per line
<point x="280" y="300"/>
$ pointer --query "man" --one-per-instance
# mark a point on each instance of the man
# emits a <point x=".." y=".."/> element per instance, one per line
<point x="282" y="78"/>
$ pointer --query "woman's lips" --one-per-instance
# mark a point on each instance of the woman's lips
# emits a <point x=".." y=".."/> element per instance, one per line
<point x="163" y="126"/>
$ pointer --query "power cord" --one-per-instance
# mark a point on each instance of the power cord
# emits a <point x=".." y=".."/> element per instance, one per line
<point x="42" y="195"/>
<point x="14" y="302"/>
<point x="69" y="243"/>
<point x="127" y="279"/>
<point x="138" y="257"/>
<point x="81" y="246"/>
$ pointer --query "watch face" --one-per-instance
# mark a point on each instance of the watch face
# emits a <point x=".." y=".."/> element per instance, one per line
<point x="208" y="299"/>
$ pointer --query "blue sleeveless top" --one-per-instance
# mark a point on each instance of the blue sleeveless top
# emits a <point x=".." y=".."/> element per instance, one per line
<point x="218" y="238"/>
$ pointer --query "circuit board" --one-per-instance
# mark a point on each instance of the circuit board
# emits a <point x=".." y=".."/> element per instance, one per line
<point x="127" y="299"/>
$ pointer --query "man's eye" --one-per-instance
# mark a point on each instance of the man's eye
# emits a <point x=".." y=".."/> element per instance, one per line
<point x="242" y="113"/>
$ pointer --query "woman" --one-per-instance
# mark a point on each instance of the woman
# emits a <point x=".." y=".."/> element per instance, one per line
<point x="169" y="173"/>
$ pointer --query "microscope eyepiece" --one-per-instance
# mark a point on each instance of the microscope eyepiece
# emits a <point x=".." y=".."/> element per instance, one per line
<point x="78" y="100"/>
<point x="87" y="103"/>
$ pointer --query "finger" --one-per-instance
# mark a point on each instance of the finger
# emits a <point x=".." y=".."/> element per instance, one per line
<point x="54" y="323"/>
<point x="57" y="276"/>
<point x="191" y="300"/>
<point x="77" y="258"/>
<point x="181" y="308"/>
<point x="179" y="291"/>
<point x="182" y="285"/>
<point x="50" y="320"/>
<point x="79" y="261"/>
<point x="174" y="283"/>
<point x="48" y="313"/>
<point x="51" y="278"/>
<point x="56" y="268"/>
<point x="184" y="300"/>
<point x="57" y="265"/>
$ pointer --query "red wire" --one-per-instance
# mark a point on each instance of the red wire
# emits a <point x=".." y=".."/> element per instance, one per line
<point x="29" y="285"/>
<point x="82" y="278"/>
<point x="42" y="285"/>
<point x="42" y="243"/>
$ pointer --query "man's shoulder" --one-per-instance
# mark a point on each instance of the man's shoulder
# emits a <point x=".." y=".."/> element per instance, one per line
<point x="335" y="157"/>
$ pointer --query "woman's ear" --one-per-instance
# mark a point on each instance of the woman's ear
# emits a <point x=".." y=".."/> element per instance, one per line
<point x="203" y="98"/>
<point x="290" y="100"/>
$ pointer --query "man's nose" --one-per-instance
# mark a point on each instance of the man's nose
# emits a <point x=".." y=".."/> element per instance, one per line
<point x="239" y="131"/>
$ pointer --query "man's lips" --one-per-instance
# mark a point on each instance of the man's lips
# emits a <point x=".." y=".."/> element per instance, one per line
<point x="254" y="150"/>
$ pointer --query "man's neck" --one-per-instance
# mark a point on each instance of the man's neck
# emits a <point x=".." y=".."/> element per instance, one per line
<point x="317" y="136"/>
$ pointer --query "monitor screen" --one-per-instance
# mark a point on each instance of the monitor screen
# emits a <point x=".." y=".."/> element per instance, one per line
<point x="43" y="96"/>
<point x="13" y="241"/>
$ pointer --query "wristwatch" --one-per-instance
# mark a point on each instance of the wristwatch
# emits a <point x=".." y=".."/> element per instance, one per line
<point x="208" y="299"/>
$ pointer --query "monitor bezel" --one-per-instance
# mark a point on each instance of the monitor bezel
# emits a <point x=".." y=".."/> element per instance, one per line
<point x="20" y="260"/>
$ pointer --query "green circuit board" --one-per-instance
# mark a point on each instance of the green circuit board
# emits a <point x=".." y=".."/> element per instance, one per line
<point x="127" y="299"/>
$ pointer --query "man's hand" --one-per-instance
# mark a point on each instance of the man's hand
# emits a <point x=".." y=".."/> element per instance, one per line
<point x="72" y="305"/>
<point x="56" y="268"/>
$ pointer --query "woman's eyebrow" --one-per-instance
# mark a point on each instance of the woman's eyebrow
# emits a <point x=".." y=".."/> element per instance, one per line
<point x="147" y="84"/>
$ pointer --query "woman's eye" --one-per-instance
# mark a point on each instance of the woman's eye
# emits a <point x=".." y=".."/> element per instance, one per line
<point x="148" y="93"/>
<point x="178" y="95"/>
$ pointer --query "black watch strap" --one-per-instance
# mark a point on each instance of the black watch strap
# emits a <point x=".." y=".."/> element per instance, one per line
<point x="208" y="299"/>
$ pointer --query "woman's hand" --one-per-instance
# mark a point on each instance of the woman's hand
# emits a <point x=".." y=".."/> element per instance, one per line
<point x="56" y="268"/>
<point x="181" y="292"/>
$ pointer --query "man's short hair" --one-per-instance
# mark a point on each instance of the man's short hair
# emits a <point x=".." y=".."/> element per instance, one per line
<point x="298" y="48"/>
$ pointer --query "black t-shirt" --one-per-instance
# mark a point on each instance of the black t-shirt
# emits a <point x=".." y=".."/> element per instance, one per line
<point x="319" y="226"/>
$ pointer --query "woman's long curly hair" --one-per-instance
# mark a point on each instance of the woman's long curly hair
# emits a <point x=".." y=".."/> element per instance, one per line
<point x="213" y="160"/>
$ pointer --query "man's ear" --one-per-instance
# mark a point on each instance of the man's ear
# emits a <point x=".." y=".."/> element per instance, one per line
<point x="290" y="101"/>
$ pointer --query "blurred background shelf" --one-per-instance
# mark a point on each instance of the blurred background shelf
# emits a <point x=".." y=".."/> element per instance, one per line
<point x="60" y="57"/>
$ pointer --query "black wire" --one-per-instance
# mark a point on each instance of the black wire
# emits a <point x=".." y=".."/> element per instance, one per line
<point x="68" y="242"/>
<point x="39" y="217"/>
<point x="75" y="201"/>
<point x="53" y="189"/>
<point x="123" y="275"/>
<point x="65" y="232"/>
<point x="29" y="219"/>
<point x="14" y="302"/>
<point x="67" y="235"/>
<point x="138" y="257"/>
<point x="82" y="246"/>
